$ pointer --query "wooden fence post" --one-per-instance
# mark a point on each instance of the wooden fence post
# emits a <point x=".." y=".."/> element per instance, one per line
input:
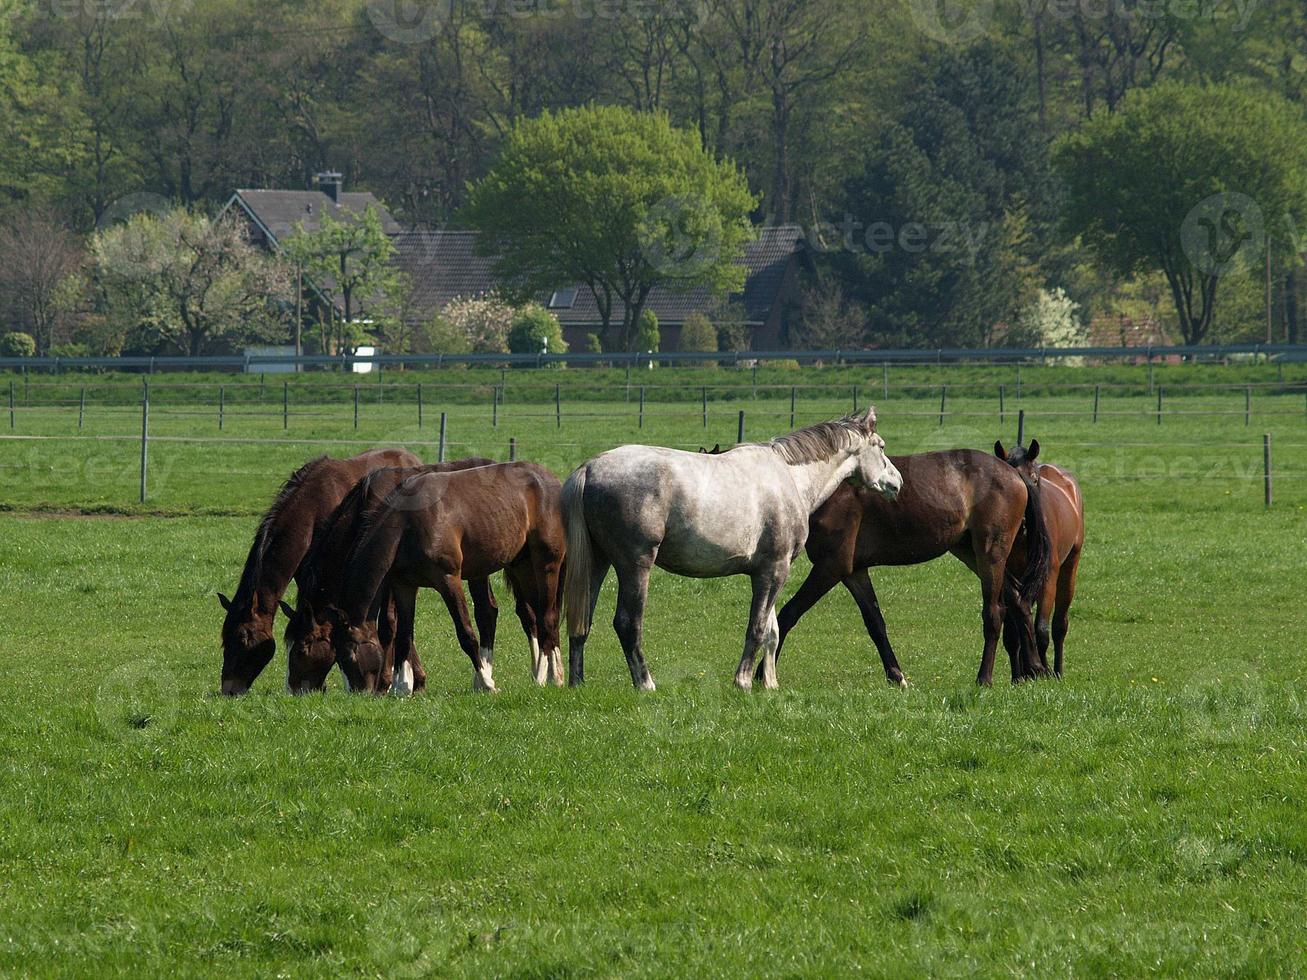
<point x="285" y="405"/>
<point x="356" y="406"/>
<point x="943" y="400"/>
<point x="1097" y="390"/>
<point x="440" y="449"/>
<point x="81" y="407"/>
<point x="1266" y="465"/>
<point x="512" y="448"/>
<point x="420" y="404"/>
<point x="793" y="395"/>
<point x="558" y="406"/>
<point x="222" y="405"/>
<point x="739" y="431"/>
<point x="145" y="436"/>
<point x="641" y="406"/>
<point x="1021" y="425"/>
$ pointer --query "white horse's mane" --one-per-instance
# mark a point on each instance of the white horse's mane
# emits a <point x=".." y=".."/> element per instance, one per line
<point x="823" y="440"/>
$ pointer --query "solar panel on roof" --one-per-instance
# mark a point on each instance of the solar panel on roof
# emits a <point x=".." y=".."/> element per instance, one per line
<point x="563" y="299"/>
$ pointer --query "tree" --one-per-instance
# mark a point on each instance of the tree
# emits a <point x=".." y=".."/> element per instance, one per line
<point x="186" y="280"/>
<point x="37" y="256"/>
<point x="535" y="330"/>
<point x="483" y="320"/>
<point x="616" y="201"/>
<point x="698" y="334"/>
<point x="830" y="321"/>
<point x="945" y="220"/>
<point x="349" y="260"/>
<point x="1188" y="180"/>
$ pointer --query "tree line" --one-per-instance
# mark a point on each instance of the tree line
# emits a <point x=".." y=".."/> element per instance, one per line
<point x="965" y="174"/>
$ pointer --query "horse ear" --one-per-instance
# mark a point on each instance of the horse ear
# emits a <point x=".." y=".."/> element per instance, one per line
<point x="1033" y="450"/>
<point x="869" y="420"/>
<point x="999" y="451"/>
<point x="716" y="449"/>
<point x="224" y="601"/>
<point x="285" y="607"/>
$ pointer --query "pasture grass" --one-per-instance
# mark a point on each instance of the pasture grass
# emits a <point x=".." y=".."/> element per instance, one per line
<point x="1141" y="816"/>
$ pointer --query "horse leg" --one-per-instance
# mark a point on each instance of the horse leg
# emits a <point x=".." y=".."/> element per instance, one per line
<point x="486" y="612"/>
<point x="763" y="633"/>
<point x="522" y="589"/>
<point x="599" y="566"/>
<point x="820" y="580"/>
<point x="404" y="601"/>
<point x="546" y="569"/>
<point x="860" y="587"/>
<point x="632" y="591"/>
<point x="991" y="614"/>
<point x="450" y="588"/>
<point x="1066" y="590"/>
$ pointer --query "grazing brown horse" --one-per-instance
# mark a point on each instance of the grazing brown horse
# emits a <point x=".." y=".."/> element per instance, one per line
<point x="962" y="502"/>
<point x="309" y="650"/>
<point x="283" y="538"/>
<point x="436" y="529"/>
<point x="1064" y="516"/>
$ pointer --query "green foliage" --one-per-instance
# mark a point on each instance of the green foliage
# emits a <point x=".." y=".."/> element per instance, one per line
<point x="185" y="282"/>
<point x="484" y="321"/>
<point x="535" y="330"/>
<point x="698" y="334"/>
<point x="619" y="200"/>
<point x="593" y="345"/>
<point x="647" y="336"/>
<point x="441" y="336"/>
<point x="1145" y="187"/>
<point x="349" y="260"/>
<point x="17" y="344"/>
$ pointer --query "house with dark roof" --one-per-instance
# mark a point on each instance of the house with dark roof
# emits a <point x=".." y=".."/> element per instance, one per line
<point x="444" y="265"/>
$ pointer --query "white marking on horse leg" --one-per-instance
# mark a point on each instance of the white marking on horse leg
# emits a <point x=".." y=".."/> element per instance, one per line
<point x="744" y="680"/>
<point x="482" y="681"/>
<point x="539" y="663"/>
<point x="488" y="658"/>
<point x="903" y="683"/>
<point x="769" y="671"/>
<point x="402" y="683"/>
<point x="556" y="666"/>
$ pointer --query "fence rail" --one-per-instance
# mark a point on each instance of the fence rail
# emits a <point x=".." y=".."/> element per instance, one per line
<point x="252" y="362"/>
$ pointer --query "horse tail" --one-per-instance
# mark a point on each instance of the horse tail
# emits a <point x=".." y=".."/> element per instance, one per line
<point x="1019" y="594"/>
<point x="576" y="574"/>
<point x="1039" y="546"/>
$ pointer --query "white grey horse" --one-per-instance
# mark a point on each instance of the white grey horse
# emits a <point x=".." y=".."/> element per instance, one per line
<point x="744" y="512"/>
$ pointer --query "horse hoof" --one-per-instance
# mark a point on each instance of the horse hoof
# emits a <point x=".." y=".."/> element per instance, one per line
<point x="903" y="683"/>
<point x="744" y="683"/>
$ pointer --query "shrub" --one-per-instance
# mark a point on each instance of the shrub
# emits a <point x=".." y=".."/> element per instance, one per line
<point x="697" y="334"/>
<point x="17" y="344"/>
<point x="647" y="336"/>
<point x="440" y="336"/>
<point x="483" y="320"/>
<point x="535" y="329"/>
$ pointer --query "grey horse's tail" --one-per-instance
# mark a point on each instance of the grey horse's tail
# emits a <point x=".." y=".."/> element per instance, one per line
<point x="576" y="574"/>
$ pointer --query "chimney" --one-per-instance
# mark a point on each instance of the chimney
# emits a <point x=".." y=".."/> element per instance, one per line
<point x="329" y="183"/>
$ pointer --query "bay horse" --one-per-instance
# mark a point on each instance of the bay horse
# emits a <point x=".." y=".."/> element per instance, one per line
<point x="436" y="529"/>
<point x="284" y="536"/>
<point x="961" y="501"/>
<point x="744" y="512"/>
<point x="1064" y="515"/>
<point x="309" y="650"/>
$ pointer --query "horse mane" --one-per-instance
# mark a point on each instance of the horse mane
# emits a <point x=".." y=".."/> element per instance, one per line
<point x="823" y="440"/>
<point x="263" y="533"/>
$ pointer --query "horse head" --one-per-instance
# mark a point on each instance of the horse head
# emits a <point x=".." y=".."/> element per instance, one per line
<point x="359" y="654"/>
<point x="309" y="650"/>
<point x="247" y="645"/>
<point x="874" y="469"/>
<point x="1022" y="459"/>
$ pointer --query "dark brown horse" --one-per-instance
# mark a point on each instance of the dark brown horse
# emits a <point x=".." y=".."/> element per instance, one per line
<point x="1064" y="516"/>
<point x="309" y="650"/>
<point x="283" y="538"/>
<point x="962" y="502"/>
<point x="436" y="529"/>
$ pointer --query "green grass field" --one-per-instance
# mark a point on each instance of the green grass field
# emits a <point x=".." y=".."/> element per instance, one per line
<point x="1142" y="816"/>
